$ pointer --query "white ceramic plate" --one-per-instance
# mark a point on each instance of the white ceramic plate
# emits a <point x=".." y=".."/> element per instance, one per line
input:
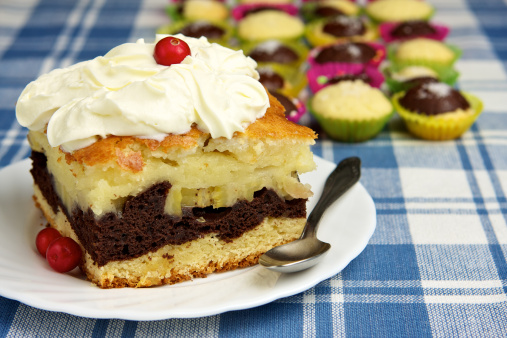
<point x="26" y="277"/>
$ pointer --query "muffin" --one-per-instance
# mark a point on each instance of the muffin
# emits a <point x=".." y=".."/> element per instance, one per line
<point x="399" y="31"/>
<point x="398" y="10"/>
<point x="287" y="53"/>
<point x="270" y="24"/>
<point x="328" y="8"/>
<point x="279" y="78"/>
<point x="195" y="10"/>
<point x="320" y="77"/>
<point x="404" y="77"/>
<point x="351" y="111"/>
<point x="339" y="28"/>
<point x="165" y="173"/>
<point x="214" y="31"/>
<point x="436" y="111"/>
<point x="423" y="51"/>
<point x="365" y="53"/>
<point x="241" y="11"/>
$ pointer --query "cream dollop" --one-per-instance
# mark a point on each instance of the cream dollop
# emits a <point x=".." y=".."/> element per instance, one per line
<point x="126" y="93"/>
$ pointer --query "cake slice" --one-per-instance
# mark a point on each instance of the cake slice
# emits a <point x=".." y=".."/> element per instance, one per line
<point x="150" y="210"/>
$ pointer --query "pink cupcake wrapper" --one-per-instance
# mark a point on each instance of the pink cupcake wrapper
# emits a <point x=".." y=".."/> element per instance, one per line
<point x="238" y="12"/>
<point x="318" y="75"/>
<point x="386" y="28"/>
<point x="375" y="62"/>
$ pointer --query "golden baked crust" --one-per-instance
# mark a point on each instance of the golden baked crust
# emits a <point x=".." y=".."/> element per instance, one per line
<point x="274" y="125"/>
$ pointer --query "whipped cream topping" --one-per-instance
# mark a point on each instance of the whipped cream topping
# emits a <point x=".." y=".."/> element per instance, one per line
<point x="126" y="93"/>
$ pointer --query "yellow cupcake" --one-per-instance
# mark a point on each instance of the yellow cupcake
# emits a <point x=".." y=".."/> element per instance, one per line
<point x="422" y="51"/>
<point x="351" y="111"/>
<point x="399" y="10"/>
<point x="204" y="10"/>
<point x="270" y="24"/>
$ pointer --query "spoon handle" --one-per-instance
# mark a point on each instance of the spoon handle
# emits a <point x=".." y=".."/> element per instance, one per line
<point x="343" y="177"/>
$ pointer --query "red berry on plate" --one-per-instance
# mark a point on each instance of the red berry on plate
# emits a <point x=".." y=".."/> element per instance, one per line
<point x="63" y="254"/>
<point x="44" y="238"/>
<point x="170" y="50"/>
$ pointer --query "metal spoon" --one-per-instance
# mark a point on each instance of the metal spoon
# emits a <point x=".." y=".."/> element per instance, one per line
<point x="307" y="251"/>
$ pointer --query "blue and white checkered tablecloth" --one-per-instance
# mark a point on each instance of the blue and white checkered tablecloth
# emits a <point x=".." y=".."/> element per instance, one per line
<point x="437" y="262"/>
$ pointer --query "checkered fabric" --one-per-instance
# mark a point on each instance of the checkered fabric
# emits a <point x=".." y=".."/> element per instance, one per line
<point x="437" y="262"/>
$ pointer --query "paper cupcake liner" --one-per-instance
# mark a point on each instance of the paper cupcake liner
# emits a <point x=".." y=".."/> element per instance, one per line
<point x="391" y="55"/>
<point x="386" y="28"/>
<point x="319" y="75"/>
<point x="316" y="37"/>
<point x="300" y="48"/>
<point x="434" y="128"/>
<point x="175" y="27"/>
<point x="351" y="131"/>
<point x="446" y="75"/>
<point x="375" y="62"/>
<point x="239" y="11"/>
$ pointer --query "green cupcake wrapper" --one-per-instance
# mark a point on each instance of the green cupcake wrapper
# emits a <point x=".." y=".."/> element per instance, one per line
<point x="315" y="37"/>
<point x="391" y="56"/>
<point x="351" y="131"/>
<point x="299" y="47"/>
<point x="434" y="128"/>
<point x="175" y="27"/>
<point x="446" y="75"/>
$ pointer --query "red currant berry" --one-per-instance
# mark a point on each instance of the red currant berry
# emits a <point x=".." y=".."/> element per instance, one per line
<point x="44" y="238"/>
<point x="63" y="254"/>
<point x="170" y="50"/>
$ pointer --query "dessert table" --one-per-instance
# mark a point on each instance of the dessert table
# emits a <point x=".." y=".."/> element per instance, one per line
<point x="436" y="264"/>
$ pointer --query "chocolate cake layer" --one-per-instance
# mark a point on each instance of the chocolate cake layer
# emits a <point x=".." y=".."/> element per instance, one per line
<point x="143" y="226"/>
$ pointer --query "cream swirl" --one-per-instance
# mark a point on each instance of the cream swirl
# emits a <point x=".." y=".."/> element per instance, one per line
<point x="126" y="93"/>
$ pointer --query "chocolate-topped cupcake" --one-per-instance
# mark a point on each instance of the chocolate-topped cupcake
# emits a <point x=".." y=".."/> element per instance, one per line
<point x="339" y="28"/>
<point x="214" y="31"/>
<point x="198" y="10"/>
<point x="270" y="24"/>
<point x="351" y="52"/>
<point x="328" y="8"/>
<point x="274" y="51"/>
<point x="271" y="79"/>
<point x="433" y="98"/>
<point x="437" y="111"/>
<point x="399" y="31"/>
<point x="332" y="73"/>
<point x="294" y="108"/>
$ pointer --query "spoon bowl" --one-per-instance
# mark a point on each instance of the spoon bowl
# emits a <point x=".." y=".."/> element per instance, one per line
<point x="308" y="250"/>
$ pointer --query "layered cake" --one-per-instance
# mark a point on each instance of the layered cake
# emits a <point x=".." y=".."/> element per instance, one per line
<point x="165" y="173"/>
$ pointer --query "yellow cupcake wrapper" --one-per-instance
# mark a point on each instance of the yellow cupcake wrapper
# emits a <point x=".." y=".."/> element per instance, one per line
<point x="435" y="65"/>
<point x="350" y="130"/>
<point x="316" y="37"/>
<point x="434" y="128"/>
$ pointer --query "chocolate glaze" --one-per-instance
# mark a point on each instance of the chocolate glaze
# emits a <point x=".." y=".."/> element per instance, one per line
<point x="433" y="98"/>
<point x="327" y="11"/>
<point x="350" y="52"/>
<point x="287" y="103"/>
<point x="281" y="54"/>
<point x="414" y="28"/>
<point x="417" y="81"/>
<point x="344" y="26"/>
<point x="261" y="9"/>
<point x="143" y="226"/>
<point x="198" y="29"/>
<point x="270" y="79"/>
<point x="349" y="77"/>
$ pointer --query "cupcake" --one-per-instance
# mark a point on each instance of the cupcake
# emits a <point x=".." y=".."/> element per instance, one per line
<point x="366" y="53"/>
<point x="351" y="111"/>
<point x="241" y="11"/>
<point x="329" y="8"/>
<point x="398" y="10"/>
<point x="282" y="79"/>
<point x="320" y="77"/>
<point x="270" y="24"/>
<point x="218" y="32"/>
<point x="437" y="111"/>
<point x="423" y="51"/>
<point x="294" y="108"/>
<point x="404" y="77"/>
<point x="339" y="28"/>
<point x="198" y="10"/>
<point x="399" y="31"/>
<point x="289" y="53"/>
